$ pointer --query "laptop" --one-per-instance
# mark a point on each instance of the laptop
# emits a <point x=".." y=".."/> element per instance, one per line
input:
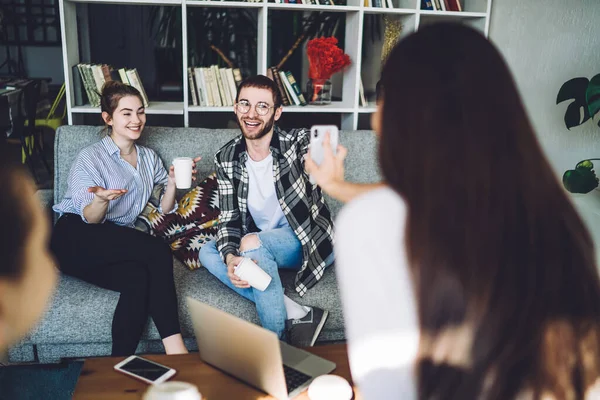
<point x="253" y="354"/>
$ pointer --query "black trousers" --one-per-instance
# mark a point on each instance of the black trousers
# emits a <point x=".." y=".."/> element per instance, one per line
<point x="137" y="265"/>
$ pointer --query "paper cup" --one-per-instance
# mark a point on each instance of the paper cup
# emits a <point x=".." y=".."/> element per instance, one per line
<point x="248" y="271"/>
<point x="330" y="387"/>
<point x="183" y="172"/>
<point x="173" y="390"/>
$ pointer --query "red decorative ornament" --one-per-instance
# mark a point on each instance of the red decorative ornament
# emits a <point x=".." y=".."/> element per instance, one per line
<point x="325" y="58"/>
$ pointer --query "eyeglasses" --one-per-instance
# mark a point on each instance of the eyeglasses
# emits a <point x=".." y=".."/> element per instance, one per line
<point x="261" y="107"/>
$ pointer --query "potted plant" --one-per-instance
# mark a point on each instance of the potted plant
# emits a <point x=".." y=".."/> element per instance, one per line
<point x="585" y="94"/>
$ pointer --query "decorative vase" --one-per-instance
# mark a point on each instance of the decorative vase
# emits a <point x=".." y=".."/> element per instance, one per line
<point x="318" y="91"/>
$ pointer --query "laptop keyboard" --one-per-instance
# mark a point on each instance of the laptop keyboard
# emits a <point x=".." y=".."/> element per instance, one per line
<point x="294" y="378"/>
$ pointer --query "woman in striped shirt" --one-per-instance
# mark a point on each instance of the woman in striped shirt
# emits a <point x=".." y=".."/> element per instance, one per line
<point x="109" y="185"/>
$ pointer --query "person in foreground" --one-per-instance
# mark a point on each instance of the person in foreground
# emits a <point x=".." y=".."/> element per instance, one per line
<point x="478" y="280"/>
<point x="27" y="272"/>
<point x="270" y="213"/>
<point x="109" y="185"/>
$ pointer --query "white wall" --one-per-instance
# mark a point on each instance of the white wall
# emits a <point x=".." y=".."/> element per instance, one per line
<point x="546" y="43"/>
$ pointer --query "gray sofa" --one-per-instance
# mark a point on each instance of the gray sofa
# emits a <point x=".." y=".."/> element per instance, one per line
<point x="78" y="321"/>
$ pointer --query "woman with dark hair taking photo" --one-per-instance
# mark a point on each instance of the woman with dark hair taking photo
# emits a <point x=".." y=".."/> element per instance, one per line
<point x="110" y="183"/>
<point x="27" y="272"/>
<point x="477" y="278"/>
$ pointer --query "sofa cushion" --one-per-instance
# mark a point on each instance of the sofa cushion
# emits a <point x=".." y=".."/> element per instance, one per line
<point x="193" y="224"/>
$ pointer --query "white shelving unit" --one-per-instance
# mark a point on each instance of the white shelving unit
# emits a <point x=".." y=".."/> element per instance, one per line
<point x="476" y="14"/>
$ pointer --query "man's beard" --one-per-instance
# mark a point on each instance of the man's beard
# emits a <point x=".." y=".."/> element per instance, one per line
<point x="267" y="128"/>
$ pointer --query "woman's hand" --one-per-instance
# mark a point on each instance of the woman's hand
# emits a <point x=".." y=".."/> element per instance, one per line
<point x="331" y="170"/>
<point x="106" y="195"/>
<point x="171" y="180"/>
<point x="95" y="212"/>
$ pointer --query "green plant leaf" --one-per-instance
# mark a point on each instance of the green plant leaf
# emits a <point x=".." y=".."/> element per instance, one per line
<point x="574" y="89"/>
<point x="580" y="180"/>
<point x="592" y="95"/>
<point x="585" y="164"/>
<point x="573" y="115"/>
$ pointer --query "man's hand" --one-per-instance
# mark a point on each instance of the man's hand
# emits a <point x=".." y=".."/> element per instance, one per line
<point x="331" y="170"/>
<point x="106" y="195"/>
<point x="232" y="262"/>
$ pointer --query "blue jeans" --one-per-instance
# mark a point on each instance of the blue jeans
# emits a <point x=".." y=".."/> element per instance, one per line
<point x="279" y="248"/>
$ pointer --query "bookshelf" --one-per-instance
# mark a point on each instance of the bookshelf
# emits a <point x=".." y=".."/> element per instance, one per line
<point x="74" y="35"/>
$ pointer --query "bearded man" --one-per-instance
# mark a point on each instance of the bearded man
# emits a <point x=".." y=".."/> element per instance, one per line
<point x="270" y="213"/>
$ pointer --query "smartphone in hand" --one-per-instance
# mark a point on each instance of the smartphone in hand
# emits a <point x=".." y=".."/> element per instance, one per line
<point x="145" y="370"/>
<point x="317" y="135"/>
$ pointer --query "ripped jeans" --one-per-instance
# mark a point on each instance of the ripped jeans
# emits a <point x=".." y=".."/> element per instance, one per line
<point x="279" y="248"/>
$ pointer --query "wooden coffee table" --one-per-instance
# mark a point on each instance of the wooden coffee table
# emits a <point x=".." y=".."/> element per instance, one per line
<point x="98" y="380"/>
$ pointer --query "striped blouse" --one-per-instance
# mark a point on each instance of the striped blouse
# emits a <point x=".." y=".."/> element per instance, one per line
<point x="100" y="164"/>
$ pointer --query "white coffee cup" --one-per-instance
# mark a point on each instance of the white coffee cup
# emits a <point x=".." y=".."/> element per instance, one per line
<point x="330" y="387"/>
<point x="183" y="172"/>
<point x="173" y="390"/>
<point x="248" y="271"/>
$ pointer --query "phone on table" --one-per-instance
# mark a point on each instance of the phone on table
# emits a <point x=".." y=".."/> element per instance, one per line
<point x="317" y="134"/>
<point x="145" y="370"/>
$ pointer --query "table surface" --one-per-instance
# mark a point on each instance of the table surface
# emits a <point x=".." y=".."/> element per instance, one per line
<point x="98" y="379"/>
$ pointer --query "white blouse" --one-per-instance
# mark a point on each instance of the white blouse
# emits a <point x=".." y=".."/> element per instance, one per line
<point x="379" y="305"/>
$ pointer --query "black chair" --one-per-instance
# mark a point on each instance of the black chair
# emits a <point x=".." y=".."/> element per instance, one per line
<point x="24" y="126"/>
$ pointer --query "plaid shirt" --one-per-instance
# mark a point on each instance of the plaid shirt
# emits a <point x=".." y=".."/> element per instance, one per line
<point x="302" y="203"/>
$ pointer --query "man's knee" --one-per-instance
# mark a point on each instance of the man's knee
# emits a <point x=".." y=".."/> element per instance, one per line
<point x="250" y="242"/>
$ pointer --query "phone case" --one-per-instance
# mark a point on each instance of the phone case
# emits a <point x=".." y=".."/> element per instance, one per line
<point x="317" y="134"/>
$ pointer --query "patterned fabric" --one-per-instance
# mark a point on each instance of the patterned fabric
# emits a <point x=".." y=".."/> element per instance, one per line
<point x="301" y="202"/>
<point x="101" y="164"/>
<point x="192" y="225"/>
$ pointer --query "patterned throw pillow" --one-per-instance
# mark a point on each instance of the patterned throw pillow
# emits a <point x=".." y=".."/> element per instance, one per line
<point x="192" y="225"/>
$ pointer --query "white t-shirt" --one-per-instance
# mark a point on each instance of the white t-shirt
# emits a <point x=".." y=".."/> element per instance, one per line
<point x="263" y="203"/>
<point x="376" y="288"/>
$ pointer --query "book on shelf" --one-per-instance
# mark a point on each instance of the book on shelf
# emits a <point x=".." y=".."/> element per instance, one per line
<point x="136" y="82"/>
<point x="454" y="5"/>
<point x="89" y="84"/>
<point x="379" y="3"/>
<point x="237" y="76"/>
<point x="78" y="88"/>
<point x="192" y="87"/>
<point x="427" y="5"/>
<point x="225" y="100"/>
<point x="214" y="86"/>
<point x="441" y="5"/>
<point x="363" y="99"/>
<point x="88" y="80"/>
<point x="284" y="97"/>
<point x="230" y="78"/>
<point x="314" y="2"/>
<point x="295" y="88"/>
<point x="294" y="100"/>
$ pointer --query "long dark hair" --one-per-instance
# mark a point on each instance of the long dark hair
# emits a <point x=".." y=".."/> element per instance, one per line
<point x="504" y="270"/>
